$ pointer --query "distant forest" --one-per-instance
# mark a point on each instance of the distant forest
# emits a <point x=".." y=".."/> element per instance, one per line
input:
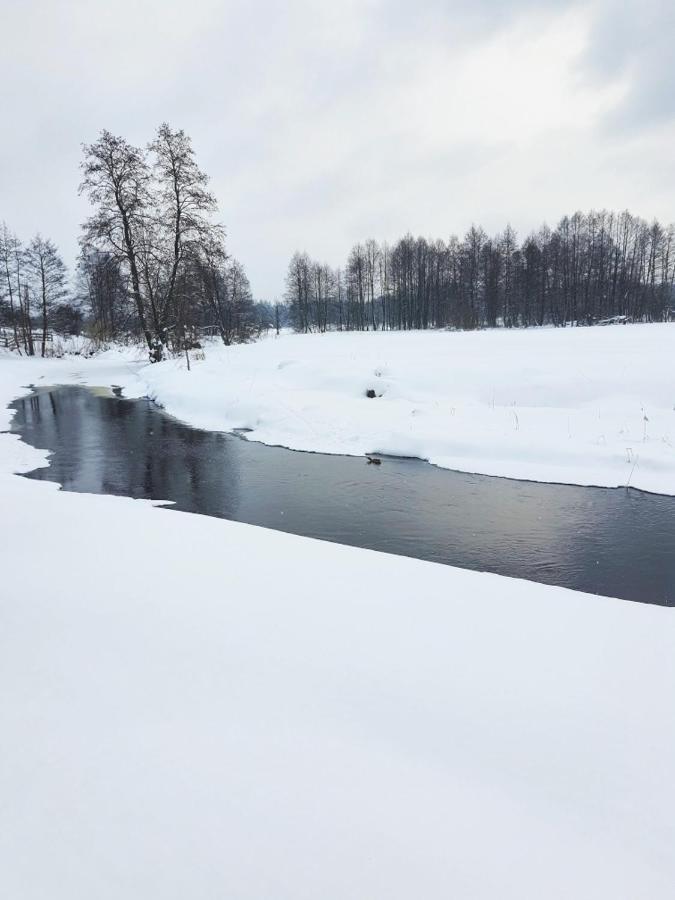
<point x="591" y="267"/>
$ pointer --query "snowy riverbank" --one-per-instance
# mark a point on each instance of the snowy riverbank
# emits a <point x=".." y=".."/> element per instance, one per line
<point x="192" y="707"/>
<point x="581" y="406"/>
<point x="589" y="406"/>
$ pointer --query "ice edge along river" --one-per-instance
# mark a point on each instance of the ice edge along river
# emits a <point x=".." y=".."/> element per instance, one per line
<point x="587" y="406"/>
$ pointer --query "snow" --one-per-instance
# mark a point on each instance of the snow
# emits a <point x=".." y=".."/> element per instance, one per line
<point x="580" y="406"/>
<point x="191" y="707"/>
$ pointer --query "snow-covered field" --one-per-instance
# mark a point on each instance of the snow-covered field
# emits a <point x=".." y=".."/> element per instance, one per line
<point x="582" y="406"/>
<point x="196" y="708"/>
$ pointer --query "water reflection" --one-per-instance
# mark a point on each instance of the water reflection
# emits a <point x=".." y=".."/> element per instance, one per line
<point x="614" y="542"/>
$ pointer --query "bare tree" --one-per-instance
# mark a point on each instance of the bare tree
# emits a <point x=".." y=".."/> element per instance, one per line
<point x="116" y="179"/>
<point x="153" y="215"/>
<point x="298" y="291"/>
<point x="10" y="260"/>
<point x="47" y="277"/>
<point x="101" y="288"/>
<point x="182" y="216"/>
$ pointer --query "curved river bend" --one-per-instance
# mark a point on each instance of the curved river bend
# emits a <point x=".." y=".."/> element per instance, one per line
<point x="617" y="542"/>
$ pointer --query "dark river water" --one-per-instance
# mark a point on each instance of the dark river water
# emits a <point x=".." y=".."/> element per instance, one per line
<point x="618" y="542"/>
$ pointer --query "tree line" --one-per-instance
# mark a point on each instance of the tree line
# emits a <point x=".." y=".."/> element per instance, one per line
<point x="591" y="267"/>
<point x="152" y="264"/>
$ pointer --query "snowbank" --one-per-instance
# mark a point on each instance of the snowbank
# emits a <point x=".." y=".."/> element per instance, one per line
<point x="196" y="708"/>
<point x="582" y="406"/>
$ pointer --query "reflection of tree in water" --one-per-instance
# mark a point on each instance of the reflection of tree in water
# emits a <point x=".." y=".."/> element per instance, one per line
<point x="103" y="444"/>
<point x="162" y="459"/>
<point x="47" y="419"/>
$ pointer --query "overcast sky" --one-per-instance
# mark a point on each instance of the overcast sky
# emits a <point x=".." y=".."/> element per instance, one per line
<point x="322" y="124"/>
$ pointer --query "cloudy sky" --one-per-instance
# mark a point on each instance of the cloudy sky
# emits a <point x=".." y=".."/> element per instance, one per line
<point x="322" y="124"/>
